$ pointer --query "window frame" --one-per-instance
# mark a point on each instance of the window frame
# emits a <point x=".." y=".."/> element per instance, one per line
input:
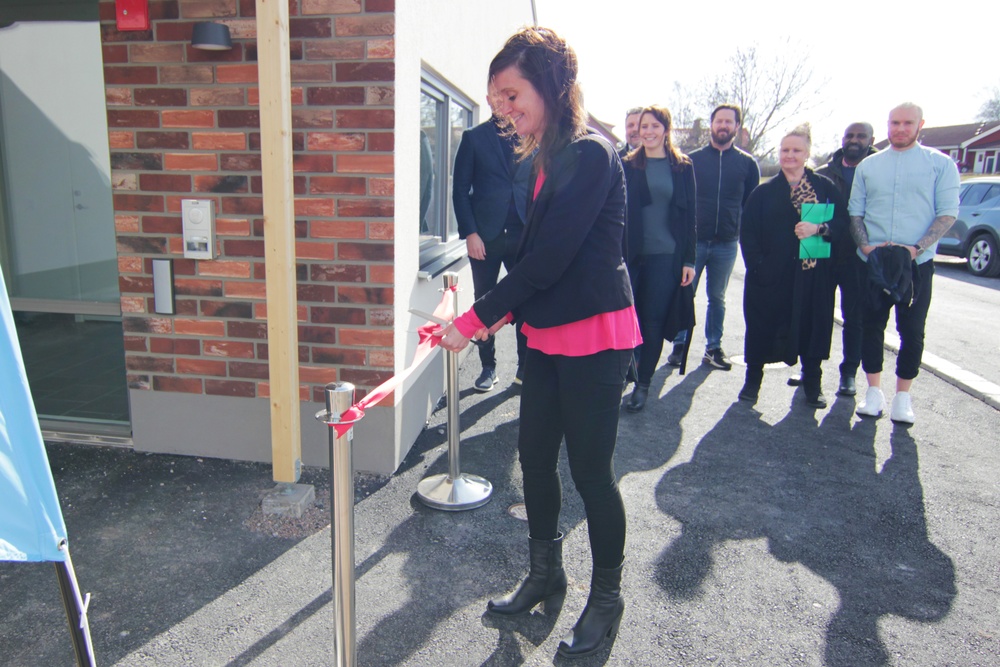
<point x="440" y="248"/>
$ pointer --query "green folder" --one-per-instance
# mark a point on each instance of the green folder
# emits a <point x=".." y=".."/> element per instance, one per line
<point x="815" y="247"/>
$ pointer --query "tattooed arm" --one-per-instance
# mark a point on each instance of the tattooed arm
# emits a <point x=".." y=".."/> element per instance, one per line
<point x="938" y="228"/>
<point x="860" y="234"/>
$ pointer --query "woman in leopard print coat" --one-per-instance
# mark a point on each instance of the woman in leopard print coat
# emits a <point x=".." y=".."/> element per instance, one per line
<point x="788" y="301"/>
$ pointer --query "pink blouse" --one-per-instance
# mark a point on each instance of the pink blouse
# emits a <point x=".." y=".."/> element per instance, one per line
<point x="618" y="330"/>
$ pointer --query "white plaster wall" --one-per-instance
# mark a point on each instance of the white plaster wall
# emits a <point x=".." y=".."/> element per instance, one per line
<point x="457" y="40"/>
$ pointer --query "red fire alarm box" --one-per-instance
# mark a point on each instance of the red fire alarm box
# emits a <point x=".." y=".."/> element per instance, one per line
<point x="132" y="14"/>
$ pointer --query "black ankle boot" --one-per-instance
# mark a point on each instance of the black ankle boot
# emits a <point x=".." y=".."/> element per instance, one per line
<point x="812" y="385"/>
<point x="600" y="618"/>
<point x="638" y="399"/>
<point x="751" y="387"/>
<point x="546" y="581"/>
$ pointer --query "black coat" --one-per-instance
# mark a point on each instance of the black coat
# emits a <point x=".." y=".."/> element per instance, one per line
<point x="486" y="179"/>
<point x="569" y="263"/>
<point x="788" y="310"/>
<point x="682" y="213"/>
<point x="834" y="170"/>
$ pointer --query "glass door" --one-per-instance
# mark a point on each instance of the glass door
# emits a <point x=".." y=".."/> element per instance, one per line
<point x="57" y="236"/>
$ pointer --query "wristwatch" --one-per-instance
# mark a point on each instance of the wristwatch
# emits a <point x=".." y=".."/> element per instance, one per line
<point x="919" y="247"/>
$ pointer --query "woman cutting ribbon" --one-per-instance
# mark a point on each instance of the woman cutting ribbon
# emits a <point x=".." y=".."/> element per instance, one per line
<point x="570" y="289"/>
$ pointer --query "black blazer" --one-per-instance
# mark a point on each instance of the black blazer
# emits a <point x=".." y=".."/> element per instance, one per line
<point x="569" y="262"/>
<point x="683" y="215"/>
<point x="484" y="180"/>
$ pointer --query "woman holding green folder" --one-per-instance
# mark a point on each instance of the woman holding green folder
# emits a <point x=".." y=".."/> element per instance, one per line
<point x="788" y="225"/>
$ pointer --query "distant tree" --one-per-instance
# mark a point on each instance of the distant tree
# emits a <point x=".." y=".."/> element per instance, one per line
<point x="690" y="136"/>
<point x="690" y="126"/>
<point x="770" y="90"/>
<point x="822" y="157"/>
<point x="991" y="107"/>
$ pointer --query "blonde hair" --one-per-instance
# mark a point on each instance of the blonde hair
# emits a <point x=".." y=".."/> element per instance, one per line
<point x="803" y="131"/>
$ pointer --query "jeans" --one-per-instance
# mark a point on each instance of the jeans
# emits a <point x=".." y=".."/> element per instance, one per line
<point x="910" y="320"/>
<point x="579" y="398"/>
<point x="654" y="282"/>
<point x="502" y="249"/>
<point x="716" y="258"/>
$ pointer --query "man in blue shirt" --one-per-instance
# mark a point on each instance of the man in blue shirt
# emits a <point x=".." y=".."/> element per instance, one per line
<point x="906" y="196"/>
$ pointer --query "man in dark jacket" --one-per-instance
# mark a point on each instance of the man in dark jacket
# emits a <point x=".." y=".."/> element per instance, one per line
<point x="724" y="176"/>
<point x="632" y="140"/>
<point x="490" y="196"/>
<point x="858" y="143"/>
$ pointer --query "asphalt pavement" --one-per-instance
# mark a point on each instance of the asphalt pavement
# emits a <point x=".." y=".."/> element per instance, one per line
<point x="766" y="535"/>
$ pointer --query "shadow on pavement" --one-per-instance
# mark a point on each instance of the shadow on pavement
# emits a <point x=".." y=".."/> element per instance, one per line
<point x="140" y="525"/>
<point x="814" y="492"/>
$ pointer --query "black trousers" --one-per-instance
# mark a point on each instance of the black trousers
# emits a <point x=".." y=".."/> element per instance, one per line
<point x="654" y="282"/>
<point x="579" y="398"/>
<point x="501" y="250"/>
<point x="910" y="321"/>
<point x="846" y="276"/>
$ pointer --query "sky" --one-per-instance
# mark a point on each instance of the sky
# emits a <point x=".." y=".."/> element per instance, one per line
<point x="869" y="56"/>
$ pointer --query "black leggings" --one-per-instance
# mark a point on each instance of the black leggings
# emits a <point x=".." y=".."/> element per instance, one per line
<point x="579" y="397"/>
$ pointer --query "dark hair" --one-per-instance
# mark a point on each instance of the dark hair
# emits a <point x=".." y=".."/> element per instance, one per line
<point x="677" y="159"/>
<point x="549" y="64"/>
<point x="732" y="107"/>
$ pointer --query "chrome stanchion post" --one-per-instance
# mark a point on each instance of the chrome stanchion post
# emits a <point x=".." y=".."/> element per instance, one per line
<point x="455" y="490"/>
<point x="340" y="397"/>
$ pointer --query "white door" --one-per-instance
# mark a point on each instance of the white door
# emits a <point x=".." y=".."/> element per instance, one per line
<point x="57" y="231"/>
<point x="59" y="215"/>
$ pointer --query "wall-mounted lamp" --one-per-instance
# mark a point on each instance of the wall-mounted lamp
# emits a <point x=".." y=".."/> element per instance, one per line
<point x="211" y="36"/>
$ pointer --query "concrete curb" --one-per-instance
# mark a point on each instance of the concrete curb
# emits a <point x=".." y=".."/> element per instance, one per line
<point x="953" y="374"/>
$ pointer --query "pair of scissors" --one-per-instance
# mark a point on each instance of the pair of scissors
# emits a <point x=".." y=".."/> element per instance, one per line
<point x="430" y="318"/>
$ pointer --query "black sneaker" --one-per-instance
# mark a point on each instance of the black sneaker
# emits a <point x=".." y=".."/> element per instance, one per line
<point x="717" y="359"/>
<point x="676" y="356"/>
<point x="486" y="380"/>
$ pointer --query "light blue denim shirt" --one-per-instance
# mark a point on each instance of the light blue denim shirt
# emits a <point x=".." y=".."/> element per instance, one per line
<point x="899" y="193"/>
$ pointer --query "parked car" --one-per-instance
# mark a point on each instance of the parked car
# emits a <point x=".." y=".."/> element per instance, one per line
<point x="976" y="232"/>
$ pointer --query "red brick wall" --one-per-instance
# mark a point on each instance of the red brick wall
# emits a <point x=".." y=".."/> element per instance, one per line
<point x="183" y="123"/>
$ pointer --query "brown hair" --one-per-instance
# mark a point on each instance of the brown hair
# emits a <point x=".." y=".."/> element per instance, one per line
<point x="549" y="64"/>
<point x="677" y="159"/>
<point x="731" y="107"/>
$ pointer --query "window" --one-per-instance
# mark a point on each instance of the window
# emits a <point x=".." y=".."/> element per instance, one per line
<point x="444" y="114"/>
<point x="974" y="194"/>
<point x="992" y="193"/>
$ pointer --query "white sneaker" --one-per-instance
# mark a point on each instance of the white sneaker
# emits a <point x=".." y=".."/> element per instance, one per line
<point x="873" y="404"/>
<point x="902" y="411"/>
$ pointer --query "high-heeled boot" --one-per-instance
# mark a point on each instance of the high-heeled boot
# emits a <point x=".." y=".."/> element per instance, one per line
<point x="600" y="618"/>
<point x="546" y="581"/>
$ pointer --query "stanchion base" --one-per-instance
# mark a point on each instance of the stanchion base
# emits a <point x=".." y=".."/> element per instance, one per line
<point x="464" y="492"/>
<point x="518" y="511"/>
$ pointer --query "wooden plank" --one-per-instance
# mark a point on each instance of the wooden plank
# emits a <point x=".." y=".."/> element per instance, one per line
<point x="274" y="70"/>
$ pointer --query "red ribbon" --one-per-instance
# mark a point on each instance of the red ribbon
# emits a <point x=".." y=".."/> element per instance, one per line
<point x="427" y="342"/>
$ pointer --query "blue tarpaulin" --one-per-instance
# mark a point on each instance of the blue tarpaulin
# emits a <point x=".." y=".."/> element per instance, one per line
<point x="31" y="522"/>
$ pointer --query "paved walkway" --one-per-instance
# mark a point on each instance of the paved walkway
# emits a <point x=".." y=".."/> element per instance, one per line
<point x="765" y="535"/>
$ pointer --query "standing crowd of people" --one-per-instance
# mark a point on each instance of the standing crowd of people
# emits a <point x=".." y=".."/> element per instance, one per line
<point x="604" y="248"/>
